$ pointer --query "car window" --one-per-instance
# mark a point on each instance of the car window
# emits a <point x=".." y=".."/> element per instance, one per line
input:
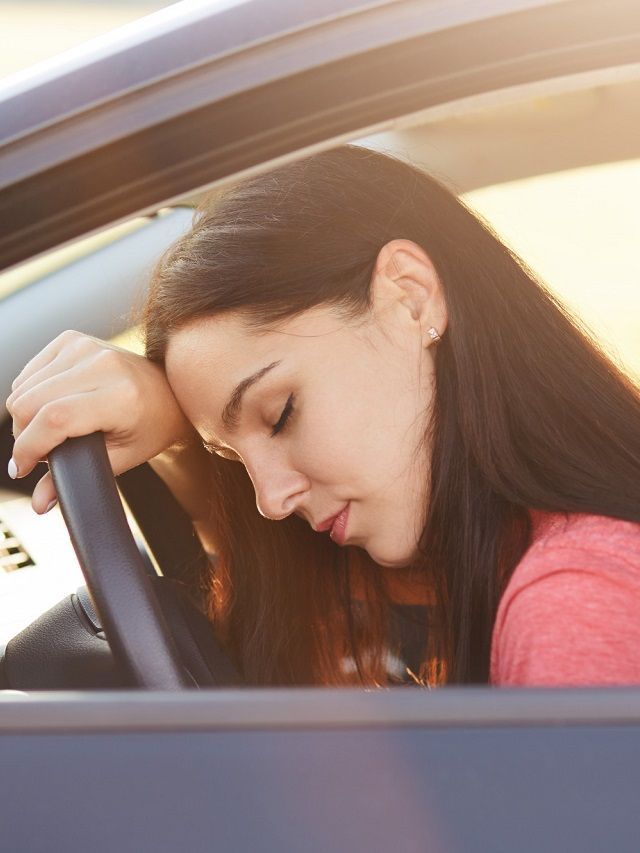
<point x="61" y="26"/>
<point x="576" y="229"/>
<point x="24" y="274"/>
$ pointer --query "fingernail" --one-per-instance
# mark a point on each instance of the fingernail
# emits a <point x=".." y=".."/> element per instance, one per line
<point x="12" y="469"/>
<point x="52" y="504"/>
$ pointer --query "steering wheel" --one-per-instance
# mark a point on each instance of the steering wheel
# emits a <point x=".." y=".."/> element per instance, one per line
<point x="116" y="576"/>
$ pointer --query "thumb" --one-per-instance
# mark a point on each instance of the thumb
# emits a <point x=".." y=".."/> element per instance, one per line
<point x="120" y="458"/>
<point x="43" y="494"/>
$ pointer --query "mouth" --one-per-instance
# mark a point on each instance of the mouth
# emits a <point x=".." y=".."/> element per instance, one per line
<point x="337" y="525"/>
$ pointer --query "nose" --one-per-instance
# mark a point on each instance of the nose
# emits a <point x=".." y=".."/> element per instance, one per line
<point x="279" y="488"/>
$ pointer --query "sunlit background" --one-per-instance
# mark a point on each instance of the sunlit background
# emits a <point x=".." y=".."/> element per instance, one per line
<point x="580" y="231"/>
<point x="33" y="31"/>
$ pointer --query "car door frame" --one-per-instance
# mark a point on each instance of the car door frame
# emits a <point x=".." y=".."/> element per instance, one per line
<point x="265" y="81"/>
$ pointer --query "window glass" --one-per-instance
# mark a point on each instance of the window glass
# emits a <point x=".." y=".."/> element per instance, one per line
<point x="33" y="30"/>
<point x="31" y="271"/>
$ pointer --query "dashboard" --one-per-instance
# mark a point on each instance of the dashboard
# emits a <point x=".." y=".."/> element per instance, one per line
<point x="38" y="565"/>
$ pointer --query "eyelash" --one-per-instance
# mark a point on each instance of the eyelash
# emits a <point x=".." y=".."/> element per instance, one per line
<point x="284" y="417"/>
<point x="282" y="423"/>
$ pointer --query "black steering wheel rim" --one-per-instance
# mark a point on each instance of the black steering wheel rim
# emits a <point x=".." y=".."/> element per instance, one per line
<point x="112" y="566"/>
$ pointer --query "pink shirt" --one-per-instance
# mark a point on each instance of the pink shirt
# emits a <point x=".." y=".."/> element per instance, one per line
<point x="570" y="614"/>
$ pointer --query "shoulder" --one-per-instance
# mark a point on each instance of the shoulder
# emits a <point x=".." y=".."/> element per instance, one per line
<point x="570" y="613"/>
<point x="573" y="528"/>
<point x="608" y="546"/>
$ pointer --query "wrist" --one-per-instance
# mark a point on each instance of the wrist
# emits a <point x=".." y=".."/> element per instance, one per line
<point x="186" y="439"/>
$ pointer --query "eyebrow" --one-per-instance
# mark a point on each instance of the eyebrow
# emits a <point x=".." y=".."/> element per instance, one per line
<point x="231" y="411"/>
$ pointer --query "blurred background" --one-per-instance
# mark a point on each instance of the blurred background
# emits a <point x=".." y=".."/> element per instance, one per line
<point x="33" y="31"/>
<point x="578" y="229"/>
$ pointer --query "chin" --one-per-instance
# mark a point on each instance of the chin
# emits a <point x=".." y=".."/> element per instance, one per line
<point x="390" y="560"/>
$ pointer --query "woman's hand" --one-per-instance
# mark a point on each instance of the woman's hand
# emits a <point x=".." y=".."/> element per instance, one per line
<point x="79" y="384"/>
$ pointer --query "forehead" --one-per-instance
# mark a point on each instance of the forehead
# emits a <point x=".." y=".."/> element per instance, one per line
<point x="228" y="343"/>
<point x="206" y="360"/>
<point x="206" y="341"/>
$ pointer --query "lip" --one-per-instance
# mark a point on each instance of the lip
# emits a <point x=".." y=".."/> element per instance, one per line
<point x="339" y="527"/>
<point x="327" y="524"/>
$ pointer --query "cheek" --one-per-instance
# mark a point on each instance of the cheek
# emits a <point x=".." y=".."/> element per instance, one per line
<point x="391" y="447"/>
<point x="362" y="429"/>
<point x="326" y="440"/>
<point x="338" y="443"/>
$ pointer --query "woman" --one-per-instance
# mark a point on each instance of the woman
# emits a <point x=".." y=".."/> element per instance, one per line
<point x="383" y="367"/>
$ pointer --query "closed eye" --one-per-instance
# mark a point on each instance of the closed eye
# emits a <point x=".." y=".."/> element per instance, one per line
<point x="284" y="417"/>
<point x="228" y="453"/>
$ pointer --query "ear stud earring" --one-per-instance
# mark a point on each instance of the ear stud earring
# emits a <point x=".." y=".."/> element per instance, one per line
<point x="433" y="334"/>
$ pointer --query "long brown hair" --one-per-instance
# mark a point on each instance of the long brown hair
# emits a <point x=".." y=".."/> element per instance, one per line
<point x="528" y="412"/>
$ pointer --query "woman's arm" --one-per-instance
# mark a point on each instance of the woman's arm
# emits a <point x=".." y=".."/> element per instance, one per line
<point x="185" y="467"/>
<point x="125" y="396"/>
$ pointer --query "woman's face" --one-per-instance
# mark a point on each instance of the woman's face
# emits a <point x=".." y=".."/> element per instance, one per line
<point x="324" y="413"/>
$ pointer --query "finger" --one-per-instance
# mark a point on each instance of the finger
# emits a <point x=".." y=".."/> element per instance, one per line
<point x="80" y="365"/>
<point x="43" y="494"/>
<point x="43" y="387"/>
<point x="47" y="355"/>
<point x="68" y="417"/>
<point x="55" y="367"/>
<point x="15" y="430"/>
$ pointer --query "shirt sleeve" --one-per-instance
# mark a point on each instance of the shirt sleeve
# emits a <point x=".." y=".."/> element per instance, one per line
<point x="569" y="625"/>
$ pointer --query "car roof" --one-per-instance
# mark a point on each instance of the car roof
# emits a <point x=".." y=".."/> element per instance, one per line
<point x="205" y="93"/>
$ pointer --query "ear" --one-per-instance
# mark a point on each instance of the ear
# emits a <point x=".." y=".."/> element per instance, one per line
<point x="405" y="276"/>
